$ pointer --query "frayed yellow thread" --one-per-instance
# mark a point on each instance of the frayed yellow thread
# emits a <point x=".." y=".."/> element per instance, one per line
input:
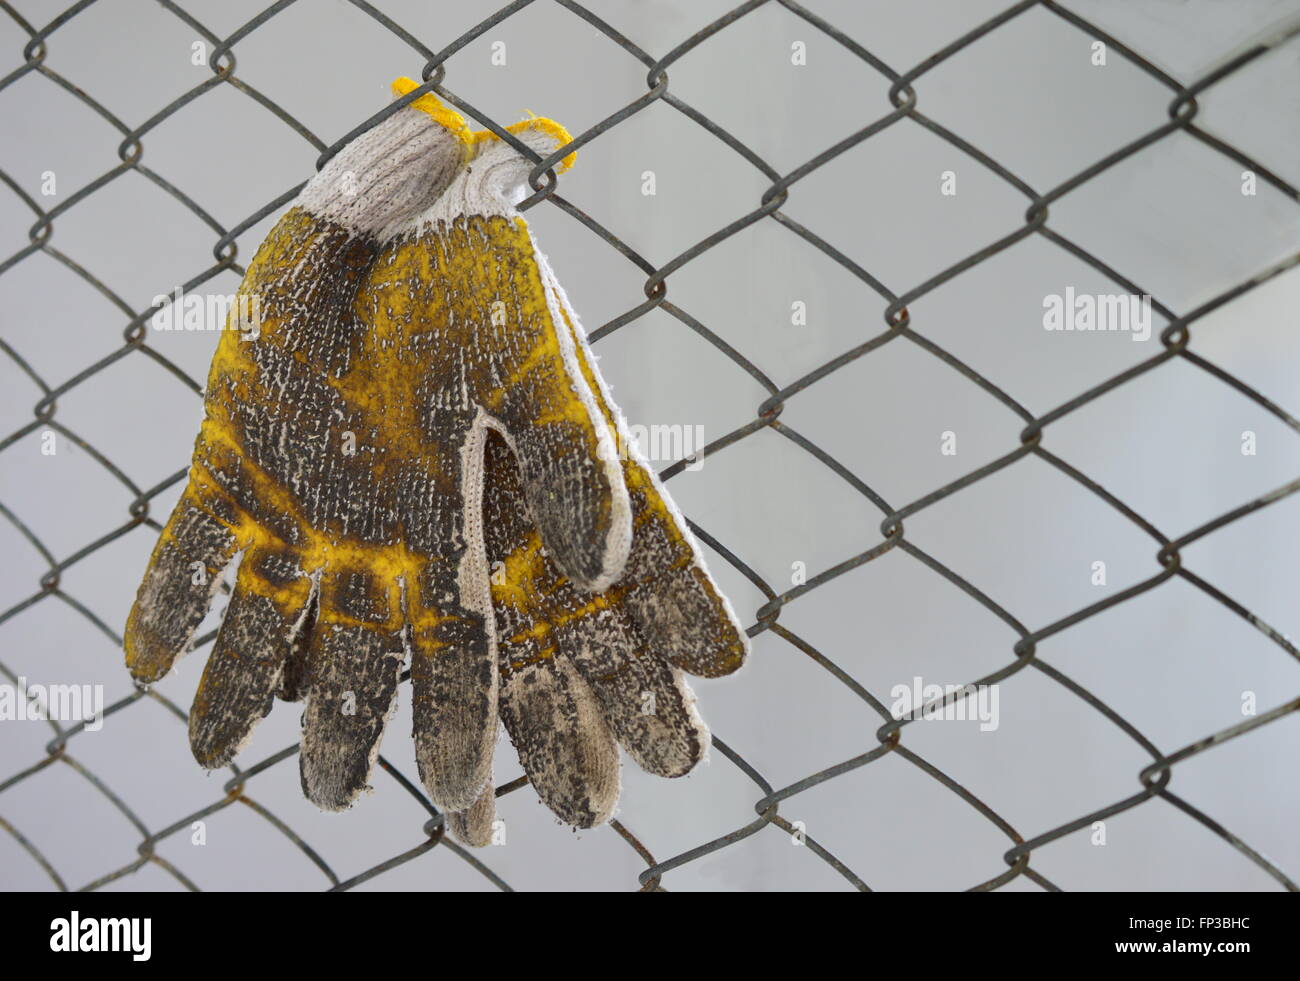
<point x="542" y="125"/>
<point x="447" y="118"/>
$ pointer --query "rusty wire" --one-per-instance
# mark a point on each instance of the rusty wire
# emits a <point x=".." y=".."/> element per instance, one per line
<point x="896" y="326"/>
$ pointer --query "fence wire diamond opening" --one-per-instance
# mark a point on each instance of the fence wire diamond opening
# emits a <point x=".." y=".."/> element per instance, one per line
<point x="892" y="306"/>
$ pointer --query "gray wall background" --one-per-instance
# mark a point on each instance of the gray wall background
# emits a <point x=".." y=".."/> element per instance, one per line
<point x="1172" y="661"/>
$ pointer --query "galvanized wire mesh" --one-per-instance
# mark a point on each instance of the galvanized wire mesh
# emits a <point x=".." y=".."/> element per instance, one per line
<point x="896" y="327"/>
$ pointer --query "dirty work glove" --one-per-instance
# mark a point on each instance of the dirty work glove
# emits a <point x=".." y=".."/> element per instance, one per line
<point x="286" y="653"/>
<point x="343" y="455"/>
<point x="580" y="671"/>
<point x="462" y="340"/>
<point x="287" y="471"/>
<point x="583" y="673"/>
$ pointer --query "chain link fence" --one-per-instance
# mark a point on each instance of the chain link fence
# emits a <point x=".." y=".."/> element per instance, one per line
<point x="896" y="327"/>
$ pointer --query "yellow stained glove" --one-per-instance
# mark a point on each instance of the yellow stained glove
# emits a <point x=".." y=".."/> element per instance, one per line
<point x="582" y="673"/>
<point x="343" y="453"/>
<point x="325" y="458"/>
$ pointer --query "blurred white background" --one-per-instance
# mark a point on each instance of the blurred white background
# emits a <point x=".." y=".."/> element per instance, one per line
<point x="1173" y="662"/>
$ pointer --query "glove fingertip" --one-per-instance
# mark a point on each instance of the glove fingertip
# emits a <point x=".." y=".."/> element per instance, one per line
<point x="148" y="655"/>
<point x="176" y="591"/>
<point x="453" y="775"/>
<point x="476" y="825"/>
<point x="352" y="692"/>
<point x="329" y="788"/>
<point x="689" y="622"/>
<point x="563" y="741"/>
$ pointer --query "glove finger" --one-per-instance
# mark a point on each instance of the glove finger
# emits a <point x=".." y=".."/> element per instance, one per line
<point x="194" y="550"/>
<point x="564" y="745"/>
<point x="514" y="358"/>
<point x="475" y="825"/>
<point x="354" y="658"/>
<point x="685" y="619"/>
<point x="569" y="469"/>
<point x="447" y="605"/>
<point x="670" y="595"/>
<point x="240" y="680"/>
<point x="645" y="701"/>
<point x="453" y="685"/>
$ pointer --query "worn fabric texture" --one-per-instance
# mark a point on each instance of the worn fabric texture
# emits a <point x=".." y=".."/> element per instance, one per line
<point x="417" y="462"/>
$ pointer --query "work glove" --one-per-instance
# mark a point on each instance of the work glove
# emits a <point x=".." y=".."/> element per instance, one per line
<point x="461" y="343"/>
<point x="582" y="673"/>
<point x="285" y="472"/>
<point x="581" y="665"/>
